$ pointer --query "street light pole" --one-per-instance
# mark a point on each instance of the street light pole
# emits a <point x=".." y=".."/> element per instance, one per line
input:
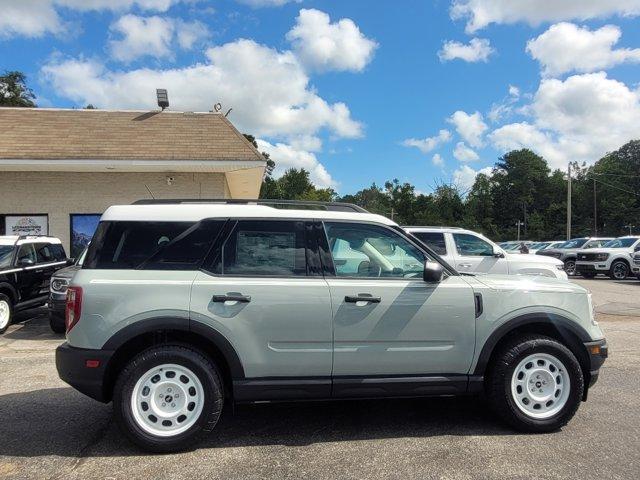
<point x="519" y="224"/>
<point x="595" y="210"/>
<point x="630" y="227"/>
<point x="569" y="202"/>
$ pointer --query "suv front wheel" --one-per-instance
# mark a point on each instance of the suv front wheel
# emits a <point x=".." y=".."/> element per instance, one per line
<point x="167" y="398"/>
<point x="6" y="312"/>
<point x="535" y="384"/>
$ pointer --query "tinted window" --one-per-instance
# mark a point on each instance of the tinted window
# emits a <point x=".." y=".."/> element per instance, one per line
<point x="26" y="252"/>
<point x="264" y="248"/>
<point x="467" y="244"/>
<point x="58" y="251"/>
<point x="621" y="242"/>
<point x="44" y="253"/>
<point x="434" y="240"/>
<point x="575" y="243"/>
<point x="6" y="254"/>
<point x="371" y="251"/>
<point x="151" y="245"/>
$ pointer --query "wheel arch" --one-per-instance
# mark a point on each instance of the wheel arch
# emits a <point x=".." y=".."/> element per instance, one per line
<point x="10" y="291"/>
<point x="139" y="336"/>
<point x="568" y="333"/>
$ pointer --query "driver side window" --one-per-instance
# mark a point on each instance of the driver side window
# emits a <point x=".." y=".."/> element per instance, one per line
<point x="370" y="251"/>
<point x="470" y="245"/>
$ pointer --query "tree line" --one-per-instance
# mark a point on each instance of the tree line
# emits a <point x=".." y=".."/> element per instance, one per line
<point x="520" y="188"/>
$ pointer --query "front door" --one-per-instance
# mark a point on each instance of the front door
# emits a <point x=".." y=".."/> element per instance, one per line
<point x="394" y="333"/>
<point x="264" y="297"/>
<point x="475" y="255"/>
<point x="29" y="278"/>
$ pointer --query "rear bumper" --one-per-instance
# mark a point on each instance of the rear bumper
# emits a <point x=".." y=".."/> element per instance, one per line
<point x="598" y="353"/>
<point x="72" y="365"/>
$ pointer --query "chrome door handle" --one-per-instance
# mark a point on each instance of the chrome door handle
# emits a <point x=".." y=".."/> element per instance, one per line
<point x="231" y="298"/>
<point x="361" y="297"/>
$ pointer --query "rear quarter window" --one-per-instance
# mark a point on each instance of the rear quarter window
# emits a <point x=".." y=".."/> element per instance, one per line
<point x="151" y="245"/>
<point x="434" y="240"/>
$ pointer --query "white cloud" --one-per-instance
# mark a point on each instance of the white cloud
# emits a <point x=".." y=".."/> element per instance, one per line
<point x="480" y="13"/>
<point x="29" y="18"/>
<point x="281" y="103"/>
<point x="465" y="176"/>
<point x="580" y="118"/>
<point x="470" y="127"/>
<point x="287" y="157"/>
<point x="437" y="160"/>
<point x="478" y="50"/>
<point x="427" y="144"/>
<point x="266" y="3"/>
<point x="464" y="153"/>
<point x="310" y="143"/>
<point x="566" y="47"/>
<point x="322" y="45"/>
<point x="506" y="106"/>
<point x="190" y="33"/>
<point x="150" y="36"/>
<point x="514" y="92"/>
<point x="35" y="18"/>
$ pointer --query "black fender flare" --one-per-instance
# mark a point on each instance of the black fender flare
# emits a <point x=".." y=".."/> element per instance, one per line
<point x="562" y="324"/>
<point x="160" y="324"/>
<point x="13" y="293"/>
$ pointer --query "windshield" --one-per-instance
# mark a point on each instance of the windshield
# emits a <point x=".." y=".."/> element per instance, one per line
<point x="620" y="242"/>
<point x="6" y="254"/>
<point x="575" y="243"/>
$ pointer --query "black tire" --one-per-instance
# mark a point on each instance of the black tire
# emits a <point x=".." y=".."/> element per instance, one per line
<point x="184" y="356"/>
<point x="498" y="383"/>
<point x="57" y="325"/>
<point x="6" y="300"/>
<point x="617" y="267"/>
<point x="570" y="266"/>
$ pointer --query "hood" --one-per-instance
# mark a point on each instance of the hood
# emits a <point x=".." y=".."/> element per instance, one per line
<point x="537" y="259"/>
<point x="607" y="250"/>
<point x="67" y="272"/>
<point x="529" y="283"/>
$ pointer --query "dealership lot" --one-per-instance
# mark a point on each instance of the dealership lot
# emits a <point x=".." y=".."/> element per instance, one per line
<point x="51" y="431"/>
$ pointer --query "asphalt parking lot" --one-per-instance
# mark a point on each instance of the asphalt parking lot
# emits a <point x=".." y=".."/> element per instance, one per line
<point x="48" y="430"/>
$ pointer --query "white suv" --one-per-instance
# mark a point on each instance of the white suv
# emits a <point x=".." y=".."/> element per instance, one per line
<point x="614" y="258"/>
<point x="468" y="251"/>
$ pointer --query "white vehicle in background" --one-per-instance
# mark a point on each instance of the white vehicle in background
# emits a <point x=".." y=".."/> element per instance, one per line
<point x="471" y="252"/>
<point x="615" y="259"/>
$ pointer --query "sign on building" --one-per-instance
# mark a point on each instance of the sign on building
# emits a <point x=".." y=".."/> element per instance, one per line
<point x="26" y="224"/>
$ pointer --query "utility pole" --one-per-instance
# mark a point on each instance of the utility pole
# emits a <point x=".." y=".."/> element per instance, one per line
<point x="519" y="224"/>
<point x="595" y="210"/>
<point x="630" y="227"/>
<point x="569" y="202"/>
<point x="393" y="213"/>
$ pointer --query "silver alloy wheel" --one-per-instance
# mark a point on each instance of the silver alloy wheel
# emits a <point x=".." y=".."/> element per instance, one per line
<point x="5" y="314"/>
<point x="570" y="267"/>
<point x="620" y="271"/>
<point x="167" y="400"/>
<point x="540" y="385"/>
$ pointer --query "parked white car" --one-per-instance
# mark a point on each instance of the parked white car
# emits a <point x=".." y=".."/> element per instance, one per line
<point x="614" y="258"/>
<point x="468" y="251"/>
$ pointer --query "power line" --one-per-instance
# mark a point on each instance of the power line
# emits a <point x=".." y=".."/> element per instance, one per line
<point x="614" y="174"/>
<point x="617" y="188"/>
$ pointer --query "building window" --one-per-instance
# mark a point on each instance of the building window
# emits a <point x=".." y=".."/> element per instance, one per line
<point x="83" y="226"/>
<point x="25" y="224"/>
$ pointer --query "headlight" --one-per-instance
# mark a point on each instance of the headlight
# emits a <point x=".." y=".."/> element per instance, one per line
<point x="601" y="257"/>
<point x="59" y="285"/>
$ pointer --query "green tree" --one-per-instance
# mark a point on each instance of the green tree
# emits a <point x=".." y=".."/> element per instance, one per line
<point x="14" y="91"/>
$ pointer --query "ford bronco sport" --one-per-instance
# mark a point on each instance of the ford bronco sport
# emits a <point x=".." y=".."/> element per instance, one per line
<point x="183" y="306"/>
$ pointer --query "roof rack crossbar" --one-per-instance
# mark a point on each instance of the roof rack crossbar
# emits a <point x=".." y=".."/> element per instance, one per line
<point x="329" y="206"/>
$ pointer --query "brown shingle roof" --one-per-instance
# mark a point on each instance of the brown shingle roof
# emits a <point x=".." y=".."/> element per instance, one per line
<point x="33" y="133"/>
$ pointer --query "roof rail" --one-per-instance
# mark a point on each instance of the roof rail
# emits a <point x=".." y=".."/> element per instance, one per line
<point x="24" y="237"/>
<point x="434" y="227"/>
<point x="311" y="204"/>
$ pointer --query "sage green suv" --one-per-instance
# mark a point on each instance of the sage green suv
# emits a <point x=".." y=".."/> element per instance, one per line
<point x="182" y="307"/>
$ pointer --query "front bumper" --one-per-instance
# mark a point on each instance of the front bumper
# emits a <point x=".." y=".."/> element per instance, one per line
<point x="598" y="352"/>
<point x="56" y="310"/>
<point x="84" y="369"/>
<point x="583" y="267"/>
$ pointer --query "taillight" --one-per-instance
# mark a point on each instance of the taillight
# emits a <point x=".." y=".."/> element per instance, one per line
<point x="73" y="307"/>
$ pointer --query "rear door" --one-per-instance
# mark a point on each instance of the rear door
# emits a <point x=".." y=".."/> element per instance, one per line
<point x="47" y="264"/>
<point x="437" y="242"/>
<point x="264" y="291"/>
<point x="475" y="255"/>
<point x="391" y="329"/>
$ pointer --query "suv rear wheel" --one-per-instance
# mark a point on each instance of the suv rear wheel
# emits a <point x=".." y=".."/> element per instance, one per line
<point x="6" y="312"/>
<point x="535" y="384"/>
<point x="167" y="398"/>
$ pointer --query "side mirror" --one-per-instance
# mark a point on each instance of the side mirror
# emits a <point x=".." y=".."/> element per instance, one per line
<point x="498" y="253"/>
<point x="71" y="261"/>
<point x="26" y="262"/>
<point x="432" y="272"/>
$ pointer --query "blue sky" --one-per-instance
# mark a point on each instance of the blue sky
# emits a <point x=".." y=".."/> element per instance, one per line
<point x="355" y="91"/>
